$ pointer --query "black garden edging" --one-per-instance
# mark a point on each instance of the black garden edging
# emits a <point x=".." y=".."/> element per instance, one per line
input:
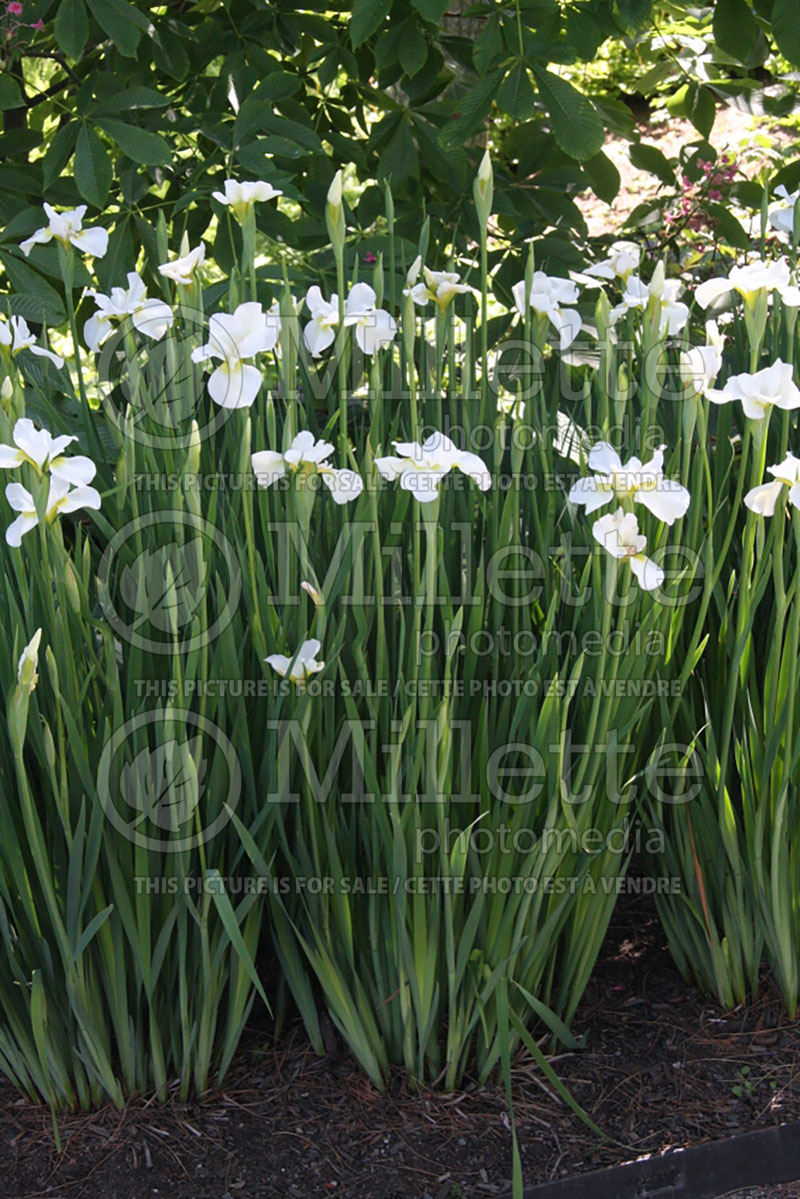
<point x="770" y="1155"/>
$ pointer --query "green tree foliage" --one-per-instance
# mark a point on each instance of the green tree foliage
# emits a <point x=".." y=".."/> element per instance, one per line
<point x="104" y="100"/>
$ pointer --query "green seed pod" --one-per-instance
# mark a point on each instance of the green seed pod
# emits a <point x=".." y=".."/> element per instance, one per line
<point x="49" y="745"/>
<point x="193" y="455"/>
<point x="72" y="588"/>
<point x="483" y="190"/>
<point x="334" y="214"/>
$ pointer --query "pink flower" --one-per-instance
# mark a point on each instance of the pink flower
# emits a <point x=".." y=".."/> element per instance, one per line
<point x="38" y="25"/>
<point x="15" y="8"/>
<point x="370" y="258"/>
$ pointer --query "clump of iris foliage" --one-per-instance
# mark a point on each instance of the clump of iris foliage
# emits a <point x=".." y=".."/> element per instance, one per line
<point x="351" y="651"/>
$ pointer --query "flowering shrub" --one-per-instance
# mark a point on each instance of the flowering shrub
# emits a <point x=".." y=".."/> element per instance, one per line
<point x="712" y="187"/>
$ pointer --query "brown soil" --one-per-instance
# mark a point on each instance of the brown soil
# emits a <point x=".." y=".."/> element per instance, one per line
<point x="662" y="1067"/>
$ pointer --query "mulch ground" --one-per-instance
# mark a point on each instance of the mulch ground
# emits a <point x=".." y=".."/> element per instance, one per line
<point x="662" y="1067"/>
